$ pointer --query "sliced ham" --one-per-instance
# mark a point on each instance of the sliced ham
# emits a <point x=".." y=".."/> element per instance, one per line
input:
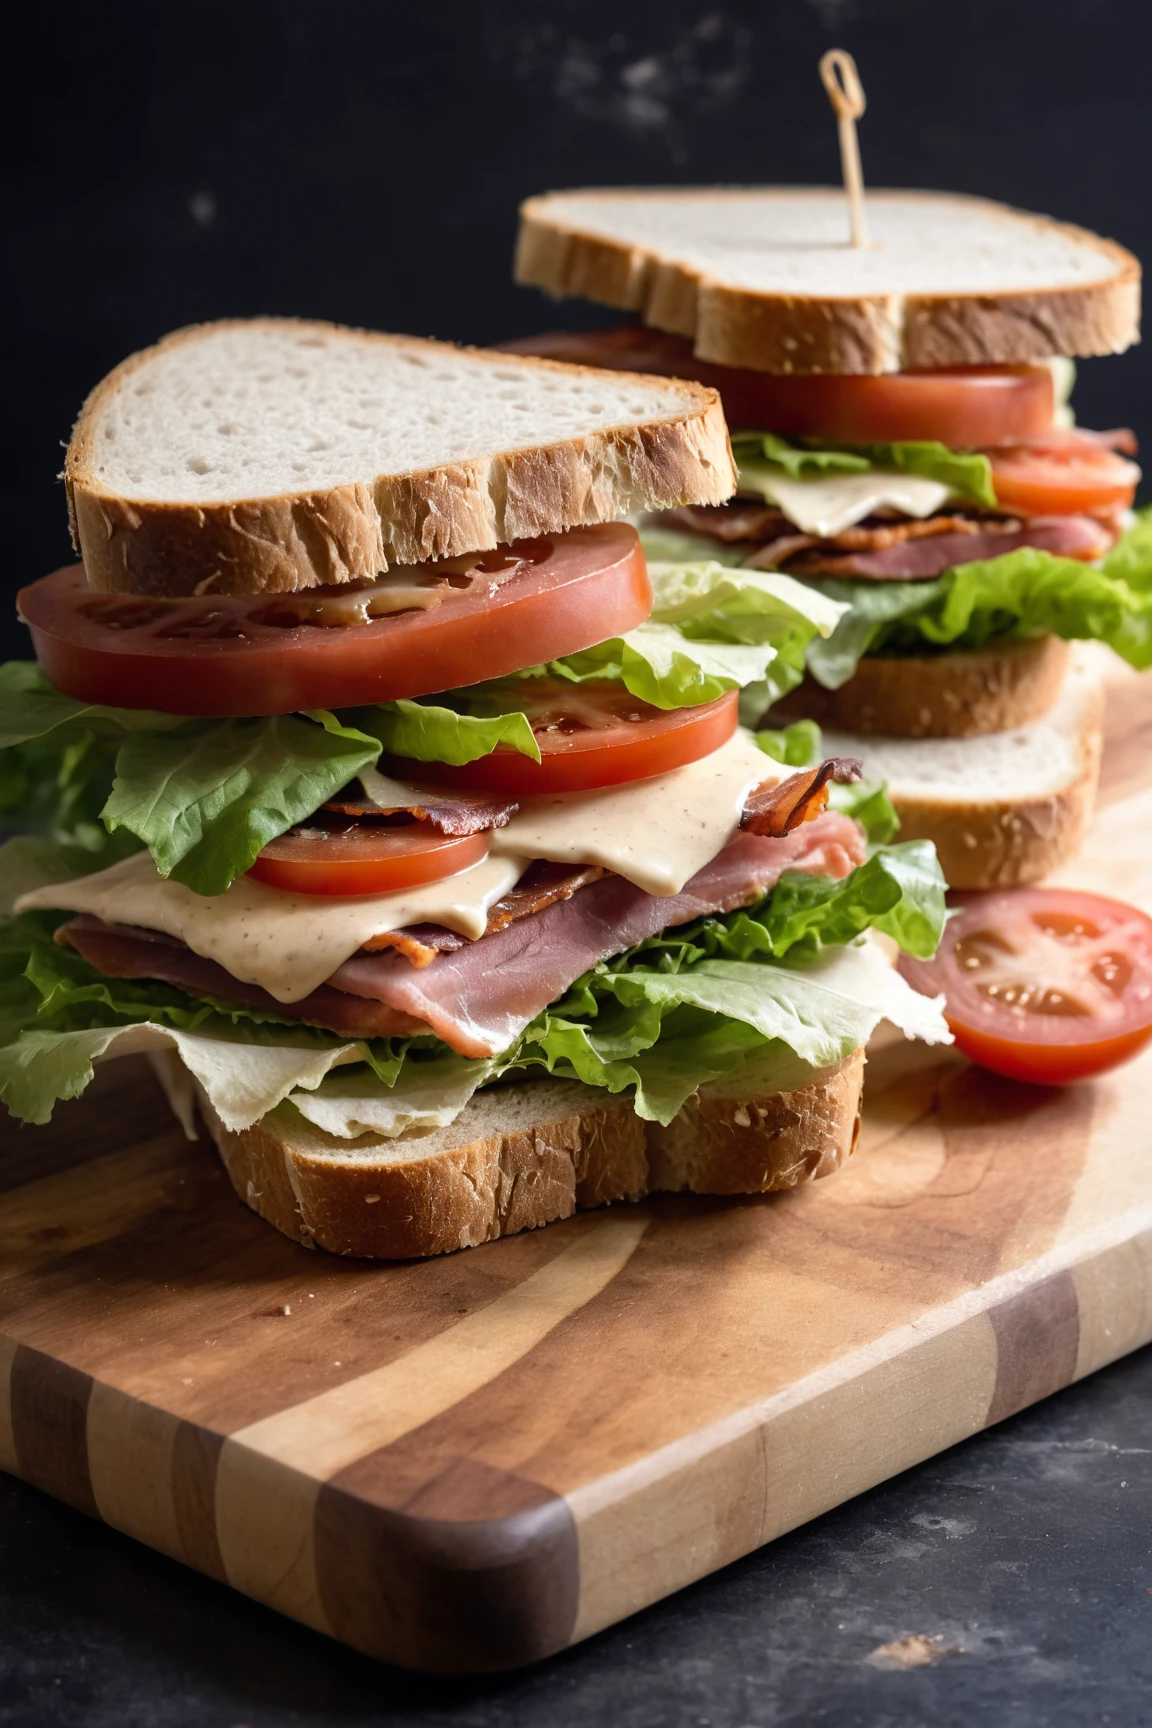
<point x="478" y="997"/>
<point x="127" y="951"/>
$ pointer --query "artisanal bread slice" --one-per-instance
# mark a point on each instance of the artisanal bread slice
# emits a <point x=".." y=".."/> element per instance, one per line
<point x="523" y="1155"/>
<point x="270" y="454"/>
<point x="1006" y="808"/>
<point x="963" y="695"/>
<point x="765" y="276"/>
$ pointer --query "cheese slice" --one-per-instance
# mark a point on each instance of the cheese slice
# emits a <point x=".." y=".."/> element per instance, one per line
<point x="827" y="506"/>
<point x="657" y="832"/>
<point x="288" y="944"/>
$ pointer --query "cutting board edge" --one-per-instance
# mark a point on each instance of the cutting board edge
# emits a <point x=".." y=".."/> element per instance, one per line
<point x="561" y="1568"/>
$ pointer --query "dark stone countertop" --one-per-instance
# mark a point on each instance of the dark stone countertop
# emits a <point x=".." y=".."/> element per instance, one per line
<point x="1022" y="1559"/>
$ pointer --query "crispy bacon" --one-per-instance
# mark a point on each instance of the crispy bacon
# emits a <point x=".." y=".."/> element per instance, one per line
<point x="1080" y="537"/>
<point x="891" y="547"/>
<point x="451" y="812"/>
<point x="542" y="884"/>
<point x="776" y="809"/>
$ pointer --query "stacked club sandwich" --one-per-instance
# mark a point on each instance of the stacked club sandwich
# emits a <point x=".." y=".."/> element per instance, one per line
<point x="905" y="448"/>
<point x="386" y="804"/>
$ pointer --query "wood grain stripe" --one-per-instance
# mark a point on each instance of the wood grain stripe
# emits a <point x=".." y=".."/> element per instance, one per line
<point x="130" y="1447"/>
<point x="1037" y="1339"/>
<point x="91" y="1202"/>
<point x="270" y="1472"/>
<point x="446" y="1564"/>
<point x="737" y="1483"/>
<point x="49" y="1402"/>
<point x="195" y="1458"/>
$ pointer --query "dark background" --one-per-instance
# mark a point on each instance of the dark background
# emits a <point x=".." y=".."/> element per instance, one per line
<point x="362" y="160"/>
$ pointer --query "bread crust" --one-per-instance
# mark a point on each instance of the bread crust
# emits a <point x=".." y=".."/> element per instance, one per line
<point x="838" y="333"/>
<point x="579" y="1148"/>
<point x="962" y="695"/>
<point x="346" y="533"/>
<point x="1009" y="843"/>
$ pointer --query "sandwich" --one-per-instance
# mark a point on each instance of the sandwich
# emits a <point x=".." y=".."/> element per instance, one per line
<point x="370" y="782"/>
<point x="906" y="448"/>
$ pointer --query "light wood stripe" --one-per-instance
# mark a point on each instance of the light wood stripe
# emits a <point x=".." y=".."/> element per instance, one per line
<point x="130" y="1447"/>
<point x="270" y="1472"/>
<point x="827" y="1436"/>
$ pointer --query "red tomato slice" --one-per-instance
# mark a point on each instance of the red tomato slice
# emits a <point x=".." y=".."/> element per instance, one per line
<point x="1043" y="984"/>
<point x="965" y="407"/>
<point x="589" y="735"/>
<point x="365" y="859"/>
<point x="420" y="629"/>
<point x="1063" y="474"/>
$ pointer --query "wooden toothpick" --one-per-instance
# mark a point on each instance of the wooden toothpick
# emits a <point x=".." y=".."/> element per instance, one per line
<point x="846" y="94"/>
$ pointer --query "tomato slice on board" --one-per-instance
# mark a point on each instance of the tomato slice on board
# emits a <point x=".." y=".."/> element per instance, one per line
<point x="1043" y="984"/>
<point x="1063" y="474"/>
<point x="965" y="407"/>
<point x="420" y="629"/>
<point x="366" y="859"/>
<point x="589" y="735"/>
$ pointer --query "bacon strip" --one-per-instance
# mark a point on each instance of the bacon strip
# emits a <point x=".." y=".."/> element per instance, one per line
<point x="775" y="810"/>
<point x="889" y="547"/>
<point x="1067" y="536"/>
<point x="480" y="996"/>
<point x="450" y="812"/>
<point x="542" y="884"/>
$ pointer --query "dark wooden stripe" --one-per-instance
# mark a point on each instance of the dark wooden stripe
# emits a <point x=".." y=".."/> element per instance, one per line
<point x="195" y="1456"/>
<point x="123" y="1106"/>
<point x="1037" y="1339"/>
<point x="445" y="1564"/>
<point x="49" y="1426"/>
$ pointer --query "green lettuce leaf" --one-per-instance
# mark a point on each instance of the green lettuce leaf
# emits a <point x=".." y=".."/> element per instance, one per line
<point x="206" y="798"/>
<point x="674" y="1013"/>
<point x="796" y="746"/>
<point x="1020" y="594"/>
<point x="659" y="664"/>
<point x="432" y="733"/>
<point x="761" y="454"/>
<point x="713" y="628"/>
<point x="31" y="708"/>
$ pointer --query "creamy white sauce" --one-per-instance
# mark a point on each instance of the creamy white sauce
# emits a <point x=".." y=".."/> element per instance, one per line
<point x="828" y="506"/>
<point x="288" y="944"/>
<point x="657" y="832"/>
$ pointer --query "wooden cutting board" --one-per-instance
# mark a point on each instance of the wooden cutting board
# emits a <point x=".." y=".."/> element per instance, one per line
<point x="469" y="1463"/>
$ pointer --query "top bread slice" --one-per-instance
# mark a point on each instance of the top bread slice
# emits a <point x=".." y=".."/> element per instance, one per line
<point x="765" y="277"/>
<point x="264" y="455"/>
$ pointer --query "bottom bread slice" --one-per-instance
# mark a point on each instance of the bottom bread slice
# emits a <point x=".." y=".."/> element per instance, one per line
<point x="1004" y="809"/>
<point x="525" y="1154"/>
